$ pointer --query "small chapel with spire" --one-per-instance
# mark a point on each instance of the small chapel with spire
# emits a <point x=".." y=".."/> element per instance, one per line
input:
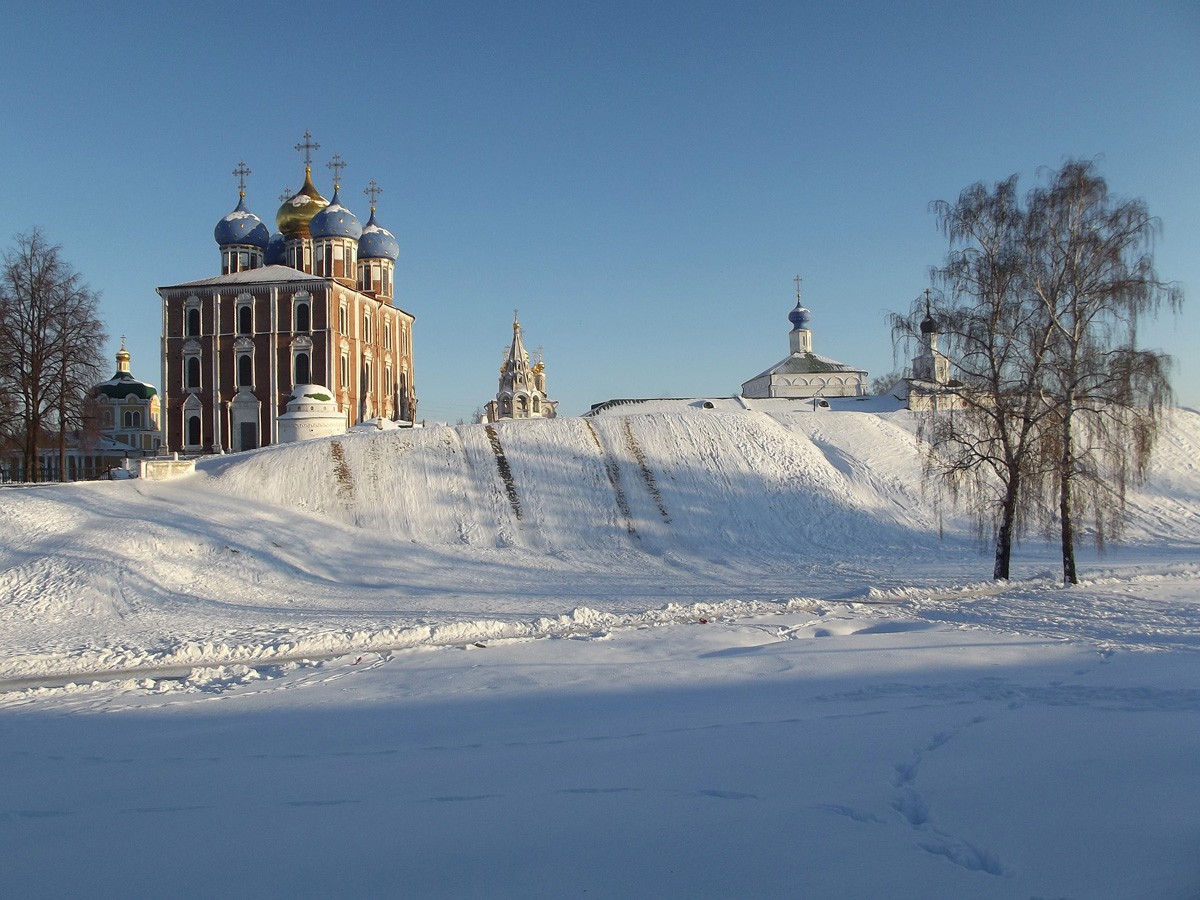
<point x="802" y="373"/>
<point x="929" y="385"/>
<point x="522" y="391"/>
<point x="310" y="310"/>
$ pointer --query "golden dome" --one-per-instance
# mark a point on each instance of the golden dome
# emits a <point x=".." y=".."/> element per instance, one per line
<point x="296" y="212"/>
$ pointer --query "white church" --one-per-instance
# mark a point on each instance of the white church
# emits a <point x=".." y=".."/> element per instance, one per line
<point x="802" y="373"/>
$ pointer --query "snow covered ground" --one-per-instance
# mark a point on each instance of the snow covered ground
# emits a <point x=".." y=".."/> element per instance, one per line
<point x="708" y="653"/>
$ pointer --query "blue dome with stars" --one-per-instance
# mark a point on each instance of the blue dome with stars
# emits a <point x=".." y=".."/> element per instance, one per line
<point x="241" y="227"/>
<point x="377" y="242"/>
<point x="799" y="317"/>
<point x="276" y="252"/>
<point x="335" y="221"/>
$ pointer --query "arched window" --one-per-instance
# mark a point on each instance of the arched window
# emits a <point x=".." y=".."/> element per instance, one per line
<point x="193" y="372"/>
<point x="366" y="332"/>
<point x="193" y="322"/>
<point x="245" y="370"/>
<point x="245" y="319"/>
<point x="193" y="431"/>
<point x="303" y="320"/>
<point x="303" y="373"/>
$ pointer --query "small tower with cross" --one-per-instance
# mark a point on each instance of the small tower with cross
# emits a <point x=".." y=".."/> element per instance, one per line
<point x="377" y="253"/>
<point x="297" y="212"/>
<point x="241" y="235"/>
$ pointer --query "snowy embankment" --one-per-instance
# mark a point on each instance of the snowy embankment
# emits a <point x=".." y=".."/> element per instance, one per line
<point x="453" y="535"/>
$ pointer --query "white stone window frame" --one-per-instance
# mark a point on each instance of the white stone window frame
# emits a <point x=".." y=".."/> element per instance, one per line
<point x="303" y="298"/>
<point x="243" y="301"/>
<point x="302" y="345"/>
<point x="192" y="409"/>
<point x="190" y="306"/>
<point x="243" y="347"/>
<point x="191" y="350"/>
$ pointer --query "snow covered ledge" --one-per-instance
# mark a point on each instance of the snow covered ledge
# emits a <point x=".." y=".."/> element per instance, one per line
<point x="165" y="469"/>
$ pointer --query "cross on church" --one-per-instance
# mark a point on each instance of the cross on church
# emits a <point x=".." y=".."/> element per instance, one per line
<point x="927" y="302"/>
<point x="240" y="173"/>
<point x="797" y="279"/>
<point x="372" y="190"/>
<point x="337" y="165"/>
<point x="286" y="195"/>
<point x="308" y="147"/>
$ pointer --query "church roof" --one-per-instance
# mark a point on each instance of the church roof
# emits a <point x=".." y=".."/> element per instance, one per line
<point x="262" y="275"/>
<point x="122" y="384"/>
<point x="807" y="364"/>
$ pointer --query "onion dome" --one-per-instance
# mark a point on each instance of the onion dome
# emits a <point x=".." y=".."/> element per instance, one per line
<point x="928" y="324"/>
<point x="122" y="384"/>
<point x="799" y="317"/>
<point x="297" y="212"/>
<point x="377" y="242"/>
<point x="276" y="252"/>
<point x="335" y="221"/>
<point x="241" y="227"/>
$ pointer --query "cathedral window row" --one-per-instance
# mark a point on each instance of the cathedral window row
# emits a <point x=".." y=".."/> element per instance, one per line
<point x="302" y="318"/>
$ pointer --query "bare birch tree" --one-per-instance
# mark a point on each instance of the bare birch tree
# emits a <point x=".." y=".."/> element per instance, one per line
<point x="1091" y="267"/>
<point x="50" y="344"/>
<point x="984" y="447"/>
<point x="1058" y="408"/>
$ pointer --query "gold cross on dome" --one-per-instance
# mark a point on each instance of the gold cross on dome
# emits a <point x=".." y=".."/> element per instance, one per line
<point x="337" y="165"/>
<point x="372" y="190"/>
<point x="308" y="146"/>
<point x="240" y="173"/>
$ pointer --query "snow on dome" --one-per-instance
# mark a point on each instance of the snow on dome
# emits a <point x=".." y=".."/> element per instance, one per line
<point x="335" y="221"/>
<point x="276" y="252"/>
<point x="800" y="316"/>
<point x="316" y="394"/>
<point x="296" y="212"/>
<point x="241" y="227"/>
<point x="312" y="412"/>
<point x="377" y="242"/>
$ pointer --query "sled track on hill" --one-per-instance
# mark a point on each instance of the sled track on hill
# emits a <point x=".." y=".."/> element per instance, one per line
<point x="647" y="476"/>
<point x="614" y="478"/>
<point x="505" y="471"/>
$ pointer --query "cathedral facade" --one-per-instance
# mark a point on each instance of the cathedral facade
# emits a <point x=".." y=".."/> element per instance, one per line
<point x="312" y="305"/>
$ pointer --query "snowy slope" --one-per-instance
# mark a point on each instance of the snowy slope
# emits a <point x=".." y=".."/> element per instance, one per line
<point x="391" y="538"/>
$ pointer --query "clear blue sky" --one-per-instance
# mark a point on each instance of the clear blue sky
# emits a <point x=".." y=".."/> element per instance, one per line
<point x="641" y="179"/>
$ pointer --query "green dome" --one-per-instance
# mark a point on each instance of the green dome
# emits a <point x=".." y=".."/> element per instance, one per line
<point x="123" y="384"/>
